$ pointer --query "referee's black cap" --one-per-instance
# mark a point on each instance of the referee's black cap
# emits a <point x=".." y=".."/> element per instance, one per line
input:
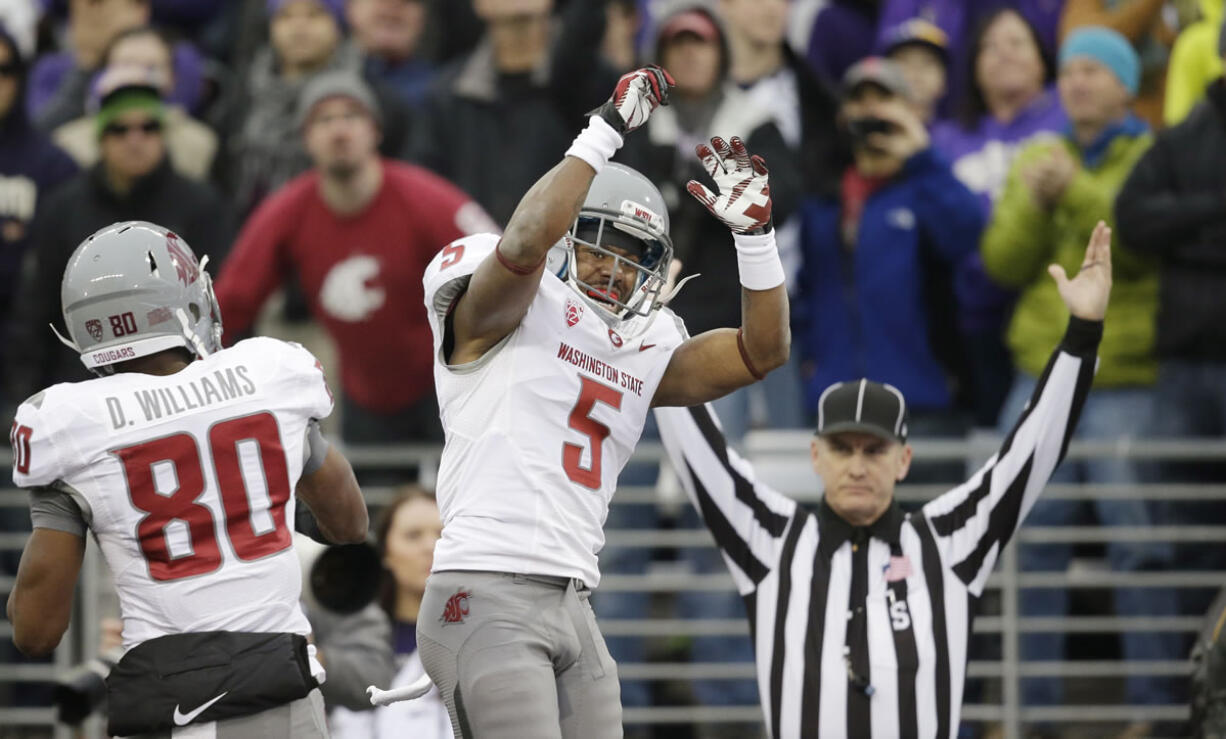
<point x="863" y="405"/>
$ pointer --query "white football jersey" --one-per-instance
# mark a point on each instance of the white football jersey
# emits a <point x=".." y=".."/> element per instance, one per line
<point x="539" y="428"/>
<point x="187" y="482"/>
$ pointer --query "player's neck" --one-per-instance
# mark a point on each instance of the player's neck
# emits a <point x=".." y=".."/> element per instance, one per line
<point x="161" y="363"/>
<point x="408" y="605"/>
<point x="349" y="195"/>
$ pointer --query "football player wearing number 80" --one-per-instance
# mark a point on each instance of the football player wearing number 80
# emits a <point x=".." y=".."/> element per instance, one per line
<point x="552" y="343"/>
<point x="186" y="462"/>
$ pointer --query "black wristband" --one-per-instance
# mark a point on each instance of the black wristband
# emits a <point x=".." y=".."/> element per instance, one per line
<point x="608" y="111"/>
<point x="1082" y="337"/>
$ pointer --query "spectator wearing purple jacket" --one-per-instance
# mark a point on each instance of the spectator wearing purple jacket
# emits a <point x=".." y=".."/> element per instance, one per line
<point x="1009" y="101"/>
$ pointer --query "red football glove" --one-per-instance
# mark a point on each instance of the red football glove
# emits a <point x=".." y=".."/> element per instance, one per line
<point x="636" y="95"/>
<point x="744" y="199"/>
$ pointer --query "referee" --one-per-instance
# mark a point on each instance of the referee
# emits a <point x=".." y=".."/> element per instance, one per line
<point x="860" y="613"/>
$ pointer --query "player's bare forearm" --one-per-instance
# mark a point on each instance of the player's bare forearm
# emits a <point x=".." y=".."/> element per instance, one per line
<point x="504" y="285"/>
<point x="40" y="604"/>
<point x="333" y="495"/>
<point x="718" y="362"/>
<point x="766" y="335"/>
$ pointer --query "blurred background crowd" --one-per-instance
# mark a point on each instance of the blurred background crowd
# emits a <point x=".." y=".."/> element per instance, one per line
<point x="929" y="159"/>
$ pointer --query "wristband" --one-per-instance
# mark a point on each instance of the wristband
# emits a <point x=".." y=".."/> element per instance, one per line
<point x="757" y="260"/>
<point x="596" y="144"/>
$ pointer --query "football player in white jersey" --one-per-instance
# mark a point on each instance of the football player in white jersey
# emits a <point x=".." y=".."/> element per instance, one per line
<point x="185" y="461"/>
<point x="545" y="375"/>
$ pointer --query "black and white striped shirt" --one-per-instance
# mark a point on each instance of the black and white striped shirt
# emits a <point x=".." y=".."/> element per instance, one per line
<point x="864" y="633"/>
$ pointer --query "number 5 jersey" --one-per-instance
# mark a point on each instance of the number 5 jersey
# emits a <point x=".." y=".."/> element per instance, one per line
<point x="538" y="428"/>
<point x="187" y="482"/>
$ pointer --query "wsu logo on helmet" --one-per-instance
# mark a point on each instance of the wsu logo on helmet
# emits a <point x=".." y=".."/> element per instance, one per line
<point x="186" y="267"/>
<point x="94" y="327"/>
<point x="574" y="311"/>
<point x="456" y="608"/>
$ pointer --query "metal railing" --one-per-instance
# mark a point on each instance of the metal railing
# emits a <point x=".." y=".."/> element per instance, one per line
<point x="781" y="458"/>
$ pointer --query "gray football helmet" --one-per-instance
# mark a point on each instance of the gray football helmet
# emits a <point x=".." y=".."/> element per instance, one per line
<point x="625" y="210"/>
<point x="134" y="289"/>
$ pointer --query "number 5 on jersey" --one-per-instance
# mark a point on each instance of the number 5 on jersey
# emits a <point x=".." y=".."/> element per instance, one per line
<point x="590" y="392"/>
<point x="166" y="479"/>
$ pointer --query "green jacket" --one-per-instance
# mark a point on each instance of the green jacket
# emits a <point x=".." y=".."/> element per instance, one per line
<point x="1022" y="239"/>
<point x="1194" y="63"/>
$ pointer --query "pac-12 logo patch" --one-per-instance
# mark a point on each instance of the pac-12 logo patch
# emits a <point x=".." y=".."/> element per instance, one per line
<point x="94" y="327"/>
<point x="574" y="311"/>
<point x="617" y="340"/>
<point x="456" y="608"/>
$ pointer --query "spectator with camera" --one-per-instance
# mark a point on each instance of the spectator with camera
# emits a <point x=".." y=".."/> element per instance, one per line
<point x="876" y="250"/>
<point x="1056" y="192"/>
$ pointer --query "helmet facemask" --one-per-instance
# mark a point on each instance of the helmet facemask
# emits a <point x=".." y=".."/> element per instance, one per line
<point x="627" y="243"/>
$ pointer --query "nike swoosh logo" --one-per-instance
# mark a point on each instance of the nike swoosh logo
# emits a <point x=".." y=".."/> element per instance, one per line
<point x="645" y="347"/>
<point x="183" y="719"/>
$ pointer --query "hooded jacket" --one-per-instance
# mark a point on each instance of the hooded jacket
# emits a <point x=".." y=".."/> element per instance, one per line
<point x="1173" y="207"/>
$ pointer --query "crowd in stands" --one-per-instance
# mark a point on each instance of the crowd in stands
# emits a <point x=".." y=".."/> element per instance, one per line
<point x="928" y="160"/>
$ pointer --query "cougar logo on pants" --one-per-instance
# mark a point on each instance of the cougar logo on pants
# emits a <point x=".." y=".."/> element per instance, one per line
<point x="456" y="608"/>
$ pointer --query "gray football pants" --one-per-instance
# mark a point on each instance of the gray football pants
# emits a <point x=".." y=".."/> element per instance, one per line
<point x="518" y="656"/>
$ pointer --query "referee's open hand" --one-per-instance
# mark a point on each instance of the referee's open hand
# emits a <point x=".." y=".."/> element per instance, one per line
<point x="1086" y="294"/>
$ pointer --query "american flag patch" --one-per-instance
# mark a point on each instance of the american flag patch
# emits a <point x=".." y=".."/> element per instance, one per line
<point x="899" y="568"/>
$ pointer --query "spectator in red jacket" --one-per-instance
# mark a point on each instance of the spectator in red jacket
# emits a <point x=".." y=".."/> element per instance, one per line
<point x="358" y="231"/>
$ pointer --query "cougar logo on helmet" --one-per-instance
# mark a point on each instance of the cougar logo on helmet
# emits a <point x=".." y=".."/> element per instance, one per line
<point x="186" y="267"/>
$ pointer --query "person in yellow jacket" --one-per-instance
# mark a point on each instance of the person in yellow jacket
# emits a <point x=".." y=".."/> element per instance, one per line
<point x="1057" y="190"/>
<point x="1195" y="62"/>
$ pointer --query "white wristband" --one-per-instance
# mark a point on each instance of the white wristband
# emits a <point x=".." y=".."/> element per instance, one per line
<point x="757" y="260"/>
<point x="596" y="143"/>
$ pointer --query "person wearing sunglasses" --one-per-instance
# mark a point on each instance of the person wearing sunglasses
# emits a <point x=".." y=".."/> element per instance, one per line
<point x="132" y="180"/>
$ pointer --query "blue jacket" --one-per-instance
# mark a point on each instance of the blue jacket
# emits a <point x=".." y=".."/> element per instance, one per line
<point x="864" y="312"/>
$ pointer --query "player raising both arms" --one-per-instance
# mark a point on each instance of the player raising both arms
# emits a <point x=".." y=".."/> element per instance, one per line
<point x="183" y="460"/>
<point x="545" y="375"/>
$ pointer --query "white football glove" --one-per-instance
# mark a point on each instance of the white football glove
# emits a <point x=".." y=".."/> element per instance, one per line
<point x="744" y="199"/>
<point x="637" y="94"/>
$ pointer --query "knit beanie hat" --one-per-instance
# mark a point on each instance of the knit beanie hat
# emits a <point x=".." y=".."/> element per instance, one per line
<point x="1108" y="48"/>
<point x="125" y="99"/>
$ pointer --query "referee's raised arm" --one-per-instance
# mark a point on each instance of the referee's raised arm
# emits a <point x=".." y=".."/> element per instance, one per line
<point x="860" y="613"/>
